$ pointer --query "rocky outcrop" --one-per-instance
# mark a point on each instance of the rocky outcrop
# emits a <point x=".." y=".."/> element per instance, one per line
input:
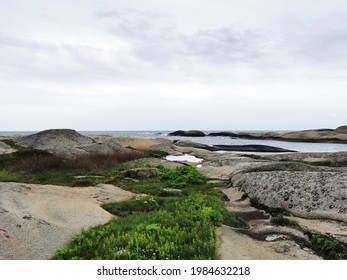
<point x="192" y="144"/>
<point x="189" y="133"/>
<point x="238" y="148"/>
<point x="223" y="133"/>
<point x="68" y="143"/>
<point x="325" y="135"/>
<point x="309" y="136"/>
<point x="251" y="148"/>
<point x="304" y="194"/>
<point x="341" y="129"/>
<point x="5" y="149"/>
<point x="55" y="138"/>
<point x="338" y="159"/>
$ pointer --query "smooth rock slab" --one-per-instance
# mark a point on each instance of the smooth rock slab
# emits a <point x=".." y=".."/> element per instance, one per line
<point x="35" y="220"/>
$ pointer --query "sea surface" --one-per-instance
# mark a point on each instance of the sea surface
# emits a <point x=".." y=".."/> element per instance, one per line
<point x="211" y="140"/>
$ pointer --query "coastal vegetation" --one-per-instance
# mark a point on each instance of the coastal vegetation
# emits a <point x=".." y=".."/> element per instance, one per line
<point x="164" y="223"/>
<point x="41" y="167"/>
<point x="174" y="216"/>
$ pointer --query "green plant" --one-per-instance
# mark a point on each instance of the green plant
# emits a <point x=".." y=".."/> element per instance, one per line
<point x="145" y="203"/>
<point x="187" y="232"/>
<point x="328" y="247"/>
<point x="159" y="225"/>
<point x="182" y="176"/>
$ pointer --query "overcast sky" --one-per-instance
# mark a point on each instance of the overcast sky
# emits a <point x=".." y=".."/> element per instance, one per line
<point x="173" y="64"/>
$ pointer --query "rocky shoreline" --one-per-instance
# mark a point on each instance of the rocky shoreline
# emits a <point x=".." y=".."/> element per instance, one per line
<point x="309" y="188"/>
<point x="338" y="135"/>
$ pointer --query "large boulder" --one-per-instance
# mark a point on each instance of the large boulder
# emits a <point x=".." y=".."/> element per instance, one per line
<point x="189" y="133"/>
<point x="341" y="129"/>
<point x="55" y="138"/>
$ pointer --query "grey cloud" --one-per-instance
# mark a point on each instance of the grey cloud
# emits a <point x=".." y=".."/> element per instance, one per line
<point x="156" y="40"/>
<point x="224" y="45"/>
<point x="15" y="42"/>
<point x="31" y="59"/>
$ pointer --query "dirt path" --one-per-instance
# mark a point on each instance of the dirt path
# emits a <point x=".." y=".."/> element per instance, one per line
<point x="35" y="220"/>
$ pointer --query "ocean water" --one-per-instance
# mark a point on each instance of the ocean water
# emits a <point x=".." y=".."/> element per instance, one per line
<point x="211" y="140"/>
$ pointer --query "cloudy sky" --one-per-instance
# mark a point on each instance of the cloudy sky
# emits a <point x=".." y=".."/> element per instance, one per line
<point x="173" y="64"/>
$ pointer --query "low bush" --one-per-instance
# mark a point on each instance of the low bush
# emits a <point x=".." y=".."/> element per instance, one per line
<point x="182" y="176"/>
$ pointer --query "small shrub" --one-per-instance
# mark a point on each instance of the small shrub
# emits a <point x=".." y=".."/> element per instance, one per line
<point x="182" y="176"/>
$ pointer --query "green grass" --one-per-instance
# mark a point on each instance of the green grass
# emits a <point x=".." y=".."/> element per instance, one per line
<point x="160" y="225"/>
<point x="182" y="176"/>
<point x="185" y="233"/>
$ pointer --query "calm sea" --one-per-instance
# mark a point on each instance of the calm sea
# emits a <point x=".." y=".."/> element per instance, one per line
<point x="209" y="140"/>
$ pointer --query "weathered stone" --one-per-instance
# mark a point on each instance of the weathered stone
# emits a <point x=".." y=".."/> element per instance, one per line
<point x="305" y="194"/>
<point x="54" y="138"/>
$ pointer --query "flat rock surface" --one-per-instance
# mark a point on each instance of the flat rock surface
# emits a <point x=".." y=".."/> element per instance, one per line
<point x="232" y="245"/>
<point x="35" y="220"/>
